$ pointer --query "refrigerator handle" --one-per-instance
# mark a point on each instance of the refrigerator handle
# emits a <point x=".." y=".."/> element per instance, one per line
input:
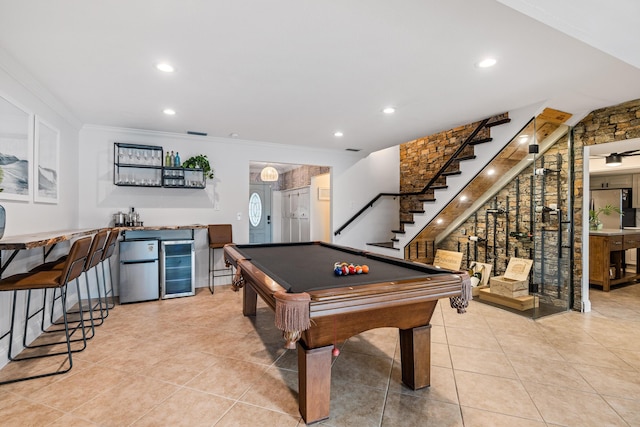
<point x="139" y="262"/>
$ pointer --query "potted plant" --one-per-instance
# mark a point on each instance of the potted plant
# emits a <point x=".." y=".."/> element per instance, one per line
<point x="594" y="215"/>
<point x="199" y="161"/>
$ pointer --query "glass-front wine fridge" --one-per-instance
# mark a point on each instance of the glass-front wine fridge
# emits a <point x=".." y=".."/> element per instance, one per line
<point x="177" y="268"/>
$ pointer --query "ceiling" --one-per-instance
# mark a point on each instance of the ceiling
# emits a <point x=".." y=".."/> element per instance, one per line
<point x="294" y="72"/>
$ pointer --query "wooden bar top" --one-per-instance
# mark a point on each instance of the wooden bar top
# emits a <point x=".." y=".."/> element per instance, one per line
<point x="165" y="227"/>
<point x="45" y="238"/>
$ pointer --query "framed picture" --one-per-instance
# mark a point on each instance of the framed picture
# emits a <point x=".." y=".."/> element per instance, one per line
<point x="324" y="193"/>
<point x="16" y="142"/>
<point x="47" y="143"/>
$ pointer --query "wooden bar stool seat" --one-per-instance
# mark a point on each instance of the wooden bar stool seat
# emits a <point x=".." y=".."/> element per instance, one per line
<point x="219" y="235"/>
<point x="43" y="280"/>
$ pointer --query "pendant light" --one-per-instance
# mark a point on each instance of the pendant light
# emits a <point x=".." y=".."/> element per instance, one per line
<point x="269" y="174"/>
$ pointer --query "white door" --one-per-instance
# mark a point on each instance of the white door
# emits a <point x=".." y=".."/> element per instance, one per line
<point x="259" y="213"/>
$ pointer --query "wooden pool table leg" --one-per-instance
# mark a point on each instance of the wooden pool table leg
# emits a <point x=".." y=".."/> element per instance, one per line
<point x="314" y="382"/>
<point x="249" y="300"/>
<point x="415" y="356"/>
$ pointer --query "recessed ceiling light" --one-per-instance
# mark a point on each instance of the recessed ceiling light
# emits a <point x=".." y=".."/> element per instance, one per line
<point x="167" y="68"/>
<point x="389" y="110"/>
<point x="491" y="171"/>
<point x="233" y="135"/>
<point x="169" y="112"/>
<point x="338" y="134"/>
<point x="486" y="63"/>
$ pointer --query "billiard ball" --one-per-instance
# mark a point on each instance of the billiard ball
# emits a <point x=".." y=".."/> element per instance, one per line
<point x="338" y="271"/>
<point x="358" y="269"/>
<point x="345" y="270"/>
<point x="365" y="269"/>
<point x="352" y="269"/>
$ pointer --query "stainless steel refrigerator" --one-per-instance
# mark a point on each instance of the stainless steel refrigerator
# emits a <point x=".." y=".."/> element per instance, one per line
<point x="620" y="198"/>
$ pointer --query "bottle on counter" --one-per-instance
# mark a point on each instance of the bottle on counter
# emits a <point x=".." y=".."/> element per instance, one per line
<point x="177" y="163"/>
<point x="172" y="159"/>
<point x="167" y="160"/>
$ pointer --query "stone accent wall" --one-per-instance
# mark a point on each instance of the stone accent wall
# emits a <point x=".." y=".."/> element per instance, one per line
<point x="616" y="123"/>
<point x="421" y="158"/>
<point x="296" y="178"/>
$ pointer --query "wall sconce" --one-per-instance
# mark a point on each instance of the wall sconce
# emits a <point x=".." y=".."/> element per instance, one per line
<point x="269" y="174"/>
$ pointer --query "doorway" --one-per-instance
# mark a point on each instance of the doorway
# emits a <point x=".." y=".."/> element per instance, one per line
<point x="596" y="169"/>
<point x="292" y="205"/>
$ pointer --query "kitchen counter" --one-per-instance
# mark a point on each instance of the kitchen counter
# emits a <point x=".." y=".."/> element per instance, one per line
<point x="613" y="232"/>
<point x="607" y="264"/>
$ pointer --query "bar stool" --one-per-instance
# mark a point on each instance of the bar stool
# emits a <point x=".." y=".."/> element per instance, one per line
<point x="109" y="249"/>
<point x="49" y="279"/>
<point x="219" y="235"/>
<point x="93" y="258"/>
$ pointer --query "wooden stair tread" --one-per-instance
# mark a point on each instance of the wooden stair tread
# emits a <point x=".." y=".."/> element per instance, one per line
<point x="480" y="141"/>
<point x="497" y="122"/>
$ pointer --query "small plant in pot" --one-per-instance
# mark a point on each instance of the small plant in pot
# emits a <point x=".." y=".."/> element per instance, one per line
<point x="199" y="161"/>
<point x="594" y="215"/>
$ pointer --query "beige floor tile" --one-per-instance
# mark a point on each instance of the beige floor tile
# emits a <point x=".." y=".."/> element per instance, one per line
<point x="472" y="338"/>
<point x="244" y="415"/>
<point x="172" y="360"/>
<point x="377" y="342"/>
<point x="228" y="378"/>
<point x="79" y="388"/>
<point x="25" y="413"/>
<point x="401" y="409"/>
<point x="355" y="405"/>
<point x="125" y="402"/>
<point x="612" y="382"/>
<point x="440" y="355"/>
<point x="594" y="355"/>
<point x="477" y="418"/>
<point x="277" y="390"/>
<point x="557" y="374"/>
<point x="362" y="369"/>
<point x="442" y="388"/>
<point x="632" y="358"/>
<point x="495" y="394"/>
<point x="186" y="408"/>
<point x="628" y="409"/>
<point x="572" y="407"/>
<point x="531" y="346"/>
<point x="481" y="361"/>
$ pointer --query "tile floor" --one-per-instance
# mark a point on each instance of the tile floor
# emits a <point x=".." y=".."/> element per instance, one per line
<point x="197" y="361"/>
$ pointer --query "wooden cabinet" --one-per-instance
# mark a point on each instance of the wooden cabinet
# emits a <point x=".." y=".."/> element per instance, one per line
<point x="598" y="182"/>
<point x="607" y="265"/>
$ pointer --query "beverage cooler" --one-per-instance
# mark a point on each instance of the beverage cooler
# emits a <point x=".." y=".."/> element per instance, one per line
<point x="177" y="268"/>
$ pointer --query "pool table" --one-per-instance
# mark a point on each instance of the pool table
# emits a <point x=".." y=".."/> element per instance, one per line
<point x="395" y="293"/>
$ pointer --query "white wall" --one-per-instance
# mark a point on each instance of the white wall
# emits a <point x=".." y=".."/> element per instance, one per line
<point x="27" y="217"/>
<point x="320" y="215"/>
<point x="353" y="188"/>
<point x="226" y="196"/>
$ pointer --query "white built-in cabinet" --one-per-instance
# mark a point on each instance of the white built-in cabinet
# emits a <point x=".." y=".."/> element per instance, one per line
<point x="295" y="215"/>
<point x="599" y="182"/>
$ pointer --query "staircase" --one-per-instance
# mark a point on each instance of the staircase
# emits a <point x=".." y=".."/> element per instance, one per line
<point x="417" y="209"/>
<point x="416" y="203"/>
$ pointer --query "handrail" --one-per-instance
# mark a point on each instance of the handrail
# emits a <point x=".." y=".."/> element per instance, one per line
<point x="426" y="188"/>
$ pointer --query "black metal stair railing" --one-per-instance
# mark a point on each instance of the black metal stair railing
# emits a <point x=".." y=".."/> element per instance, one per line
<point x="442" y="172"/>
